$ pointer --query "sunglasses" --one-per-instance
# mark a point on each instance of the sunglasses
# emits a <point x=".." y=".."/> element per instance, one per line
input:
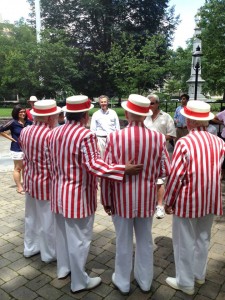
<point x="152" y="103"/>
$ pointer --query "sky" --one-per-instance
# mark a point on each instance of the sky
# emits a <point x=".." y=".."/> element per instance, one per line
<point x="13" y="10"/>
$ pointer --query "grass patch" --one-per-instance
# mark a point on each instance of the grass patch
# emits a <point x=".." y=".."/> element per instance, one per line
<point x="5" y="112"/>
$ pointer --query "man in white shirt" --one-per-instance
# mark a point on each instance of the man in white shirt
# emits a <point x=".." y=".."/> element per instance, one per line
<point x="163" y="123"/>
<point x="103" y="122"/>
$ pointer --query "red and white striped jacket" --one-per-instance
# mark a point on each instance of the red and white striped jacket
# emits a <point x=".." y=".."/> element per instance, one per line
<point x="34" y="144"/>
<point x="136" y="195"/>
<point x="75" y="163"/>
<point x="194" y="186"/>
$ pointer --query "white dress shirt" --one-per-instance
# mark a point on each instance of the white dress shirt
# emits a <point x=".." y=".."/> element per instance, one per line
<point x="104" y="122"/>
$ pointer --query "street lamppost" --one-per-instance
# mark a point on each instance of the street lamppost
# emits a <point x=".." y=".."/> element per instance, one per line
<point x="196" y="66"/>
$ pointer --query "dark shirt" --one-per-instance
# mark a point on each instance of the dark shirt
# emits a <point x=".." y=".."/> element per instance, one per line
<point x="15" y="127"/>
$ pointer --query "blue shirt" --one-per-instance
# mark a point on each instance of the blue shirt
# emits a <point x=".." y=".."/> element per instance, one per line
<point x="15" y="127"/>
<point x="180" y="120"/>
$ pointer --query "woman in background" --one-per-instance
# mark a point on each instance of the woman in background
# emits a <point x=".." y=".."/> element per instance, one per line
<point x="15" y="126"/>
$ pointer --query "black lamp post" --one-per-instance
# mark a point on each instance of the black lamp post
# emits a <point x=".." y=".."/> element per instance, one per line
<point x="197" y="66"/>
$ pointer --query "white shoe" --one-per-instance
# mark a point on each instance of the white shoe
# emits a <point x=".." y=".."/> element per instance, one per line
<point x="199" y="281"/>
<point x="31" y="254"/>
<point x="93" y="282"/>
<point x="173" y="283"/>
<point x="160" y="212"/>
<point x="121" y="291"/>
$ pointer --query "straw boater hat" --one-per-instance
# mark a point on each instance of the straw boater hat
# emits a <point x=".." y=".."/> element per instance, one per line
<point x="33" y="98"/>
<point x="137" y="104"/>
<point x="76" y="104"/>
<point x="45" y="108"/>
<point x="197" y="110"/>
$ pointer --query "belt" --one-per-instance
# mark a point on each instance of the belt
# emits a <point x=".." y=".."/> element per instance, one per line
<point x="102" y="136"/>
<point x="182" y="127"/>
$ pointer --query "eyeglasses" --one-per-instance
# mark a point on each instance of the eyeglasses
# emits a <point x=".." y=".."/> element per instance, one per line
<point x="152" y="103"/>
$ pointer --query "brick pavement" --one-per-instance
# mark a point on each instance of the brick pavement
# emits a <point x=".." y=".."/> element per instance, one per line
<point x="23" y="279"/>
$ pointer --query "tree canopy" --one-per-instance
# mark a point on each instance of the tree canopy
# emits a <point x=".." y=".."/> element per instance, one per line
<point x="92" y="47"/>
<point x="213" y="32"/>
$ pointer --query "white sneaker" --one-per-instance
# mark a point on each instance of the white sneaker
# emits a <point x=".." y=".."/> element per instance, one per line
<point x="160" y="212"/>
<point x="93" y="283"/>
<point x="200" y="281"/>
<point x="116" y="286"/>
<point x="171" y="281"/>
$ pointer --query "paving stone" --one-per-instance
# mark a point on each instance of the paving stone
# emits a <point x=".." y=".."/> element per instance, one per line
<point x="13" y="284"/>
<point x="4" y="295"/>
<point x="49" y="292"/>
<point x="29" y="272"/>
<point x="215" y="277"/>
<point x="12" y="255"/>
<point x="95" y="250"/>
<point x="200" y="297"/>
<point x="59" y="283"/>
<point x="4" y="262"/>
<point x="137" y="294"/>
<point x="164" y="293"/>
<point x="107" y="276"/>
<point x="6" y="248"/>
<point x="65" y="297"/>
<point x="103" y="290"/>
<point x="38" y="282"/>
<point x="210" y="290"/>
<point x="22" y="278"/>
<point x="19" y="264"/>
<point x="101" y="241"/>
<point x="10" y="234"/>
<point x="23" y="293"/>
<point x="221" y="296"/>
<point x="115" y="295"/>
<point x="50" y="270"/>
<point x="7" y="274"/>
<point x="104" y="257"/>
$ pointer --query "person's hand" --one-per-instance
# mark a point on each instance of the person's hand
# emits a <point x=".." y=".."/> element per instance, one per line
<point x="108" y="210"/>
<point x="169" y="210"/>
<point x="131" y="169"/>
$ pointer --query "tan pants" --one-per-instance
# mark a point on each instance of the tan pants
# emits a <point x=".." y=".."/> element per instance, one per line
<point x="181" y="132"/>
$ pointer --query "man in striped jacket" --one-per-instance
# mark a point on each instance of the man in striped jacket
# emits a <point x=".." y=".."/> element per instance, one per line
<point x="193" y="196"/>
<point x="76" y="162"/>
<point x="132" y="202"/>
<point x="39" y="220"/>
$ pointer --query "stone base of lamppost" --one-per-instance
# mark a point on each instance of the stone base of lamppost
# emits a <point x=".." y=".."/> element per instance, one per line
<point x="191" y="88"/>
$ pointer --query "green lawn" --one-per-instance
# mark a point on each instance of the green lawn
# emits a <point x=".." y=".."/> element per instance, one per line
<point x="5" y="112"/>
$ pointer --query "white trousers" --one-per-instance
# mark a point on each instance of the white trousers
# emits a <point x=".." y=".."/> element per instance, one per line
<point x="191" y="238"/>
<point x="101" y="145"/>
<point x="39" y="229"/>
<point x="72" y="248"/>
<point x="143" y="262"/>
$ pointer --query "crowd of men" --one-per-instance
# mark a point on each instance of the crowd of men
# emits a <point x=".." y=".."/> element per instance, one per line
<point x="62" y="167"/>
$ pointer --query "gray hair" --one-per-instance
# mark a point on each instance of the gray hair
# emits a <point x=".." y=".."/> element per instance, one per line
<point x="103" y="96"/>
<point x="198" y="123"/>
<point x="153" y="96"/>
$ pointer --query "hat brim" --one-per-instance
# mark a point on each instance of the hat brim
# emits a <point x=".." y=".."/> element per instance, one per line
<point x="58" y="111"/>
<point x="210" y="116"/>
<point x="124" y="106"/>
<point x="77" y="111"/>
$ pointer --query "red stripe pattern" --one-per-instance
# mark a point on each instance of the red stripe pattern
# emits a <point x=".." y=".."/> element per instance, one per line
<point x="194" y="185"/>
<point x="136" y="195"/>
<point x="75" y="165"/>
<point x="34" y="141"/>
